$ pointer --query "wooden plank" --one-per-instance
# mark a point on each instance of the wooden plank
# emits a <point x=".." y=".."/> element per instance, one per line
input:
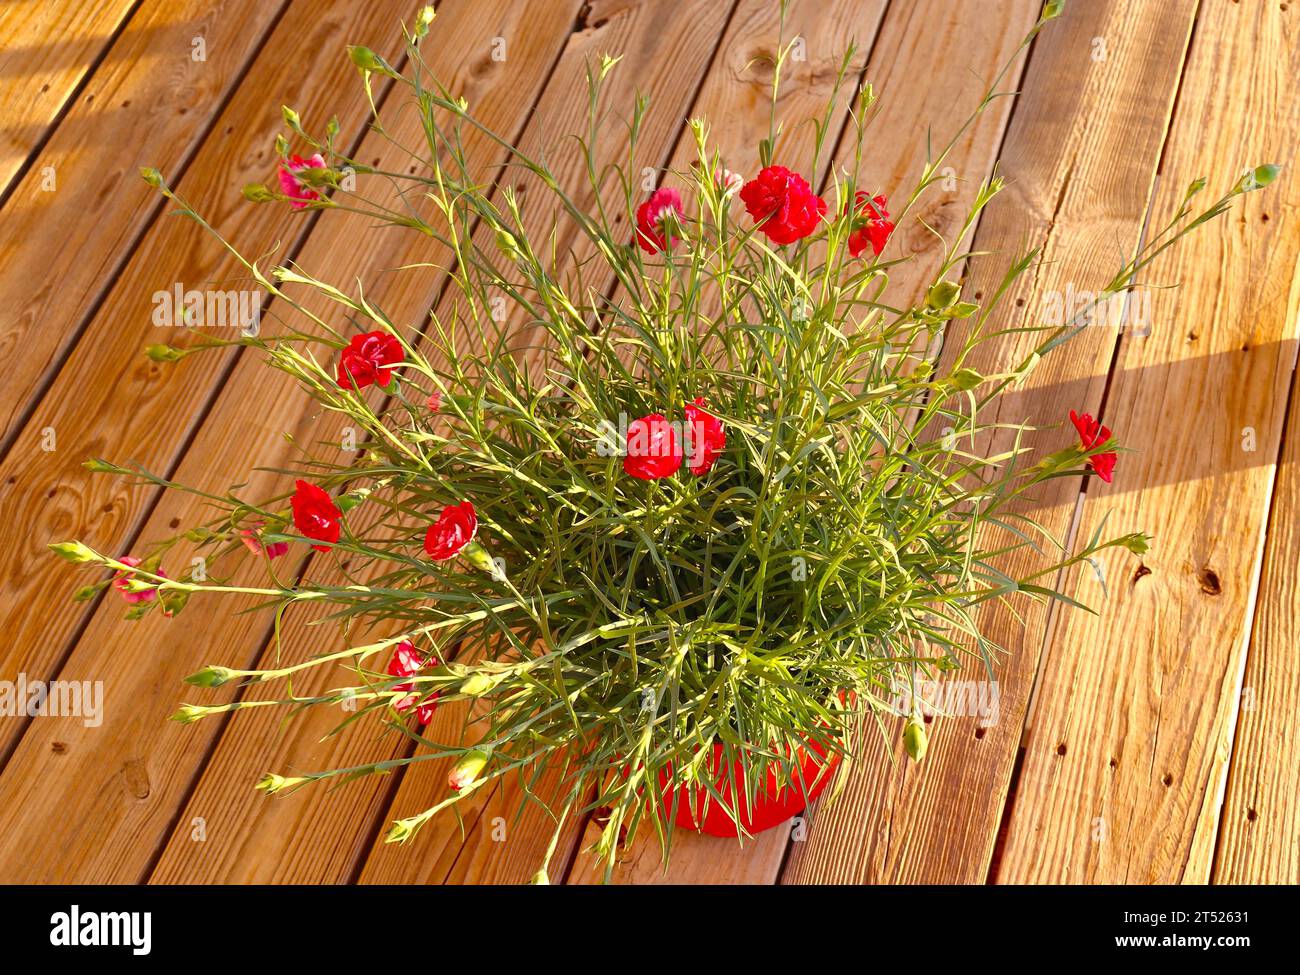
<point x="150" y="104"/>
<point x="650" y="39"/>
<point x="109" y="400"/>
<point x="1126" y="756"/>
<point x="734" y="100"/>
<point x="895" y="157"/>
<point x="46" y="51"/>
<point x="627" y="30"/>
<point x="254" y="839"/>
<point x="1260" y="825"/>
<point x="1079" y="160"/>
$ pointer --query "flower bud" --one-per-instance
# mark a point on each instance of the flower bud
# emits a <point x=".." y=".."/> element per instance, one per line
<point x="942" y="295"/>
<point x="368" y="60"/>
<point x="1138" y="543"/>
<point x="508" y="246"/>
<point x="402" y="830"/>
<point x="164" y="353"/>
<point x="151" y="176"/>
<point x="423" y="20"/>
<point x="189" y="713"/>
<point x="257" y="193"/>
<point x="74" y="552"/>
<point x="347" y="502"/>
<point x="272" y="783"/>
<point x="964" y="379"/>
<point x="172" y="601"/>
<point x="480" y="683"/>
<point x="464" y="775"/>
<point x="211" y="677"/>
<point x="914" y="739"/>
<point x="1258" y="178"/>
<point x="477" y="556"/>
<point x="540" y="879"/>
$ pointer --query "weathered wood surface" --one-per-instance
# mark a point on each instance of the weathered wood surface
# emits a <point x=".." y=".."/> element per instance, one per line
<point x="1131" y="735"/>
<point x="343" y="821"/>
<point x="114" y="788"/>
<point x="46" y="51"/>
<point x="152" y="102"/>
<point x="649" y="38"/>
<point x="1259" y="840"/>
<point x="1118" y="736"/>
<point x="1080" y="162"/>
<point x="893" y="159"/>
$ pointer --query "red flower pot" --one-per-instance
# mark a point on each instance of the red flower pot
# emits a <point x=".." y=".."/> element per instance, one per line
<point x="772" y="805"/>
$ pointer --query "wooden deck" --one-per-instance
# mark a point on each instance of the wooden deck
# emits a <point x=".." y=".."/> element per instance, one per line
<point x="1156" y="742"/>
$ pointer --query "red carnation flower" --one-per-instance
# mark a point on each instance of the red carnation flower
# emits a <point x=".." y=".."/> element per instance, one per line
<point x="1092" y="434"/>
<point x="874" y="228"/>
<point x="784" y="203"/>
<point x="298" y="192"/>
<point x="366" y="360"/>
<point x="652" y="448"/>
<point x="705" y="435"/>
<point x="315" y="514"/>
<point x="123" y="578"/>
<point x="651" y="233"/>
<point x="454" y="529"/>
<point x="253" y="541"/>
<point x="407" y="662"/>
<point x="729" y="183"/>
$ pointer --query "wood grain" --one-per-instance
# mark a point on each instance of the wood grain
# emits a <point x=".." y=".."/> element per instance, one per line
<point x="735" y="101"/>
<point x="252" y="743"/>
<point x="110" y="400"/>
<point x="1079" y="160"/>
<point x="1132" y="730"/>
<point x="649" y="38"/>
<point x="895" y="157"/>
<point x="1129" y="728"/>
<point x="734" y="92"/>
<point x="149" y="104"/>
<point x="45" y="53"/>
<point x="258" y="837"/>
<point x="1260" y="826"/>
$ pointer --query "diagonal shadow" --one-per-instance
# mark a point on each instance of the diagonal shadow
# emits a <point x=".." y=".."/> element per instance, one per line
<point x="1241" y="433"/>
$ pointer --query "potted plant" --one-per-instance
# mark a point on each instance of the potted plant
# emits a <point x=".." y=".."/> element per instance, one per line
<point x="684" y="548"/>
